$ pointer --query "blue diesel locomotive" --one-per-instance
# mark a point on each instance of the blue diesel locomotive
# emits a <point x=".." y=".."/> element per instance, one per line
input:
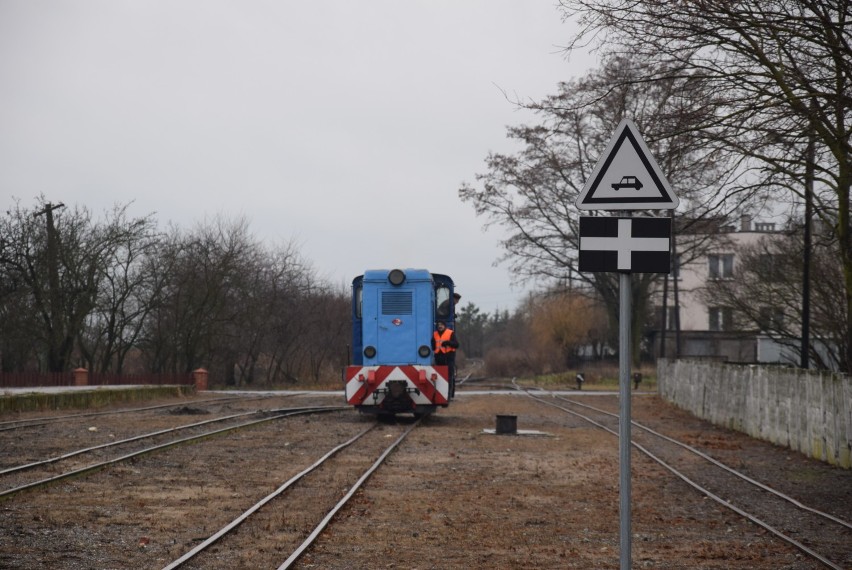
<point x="392" y="369"/>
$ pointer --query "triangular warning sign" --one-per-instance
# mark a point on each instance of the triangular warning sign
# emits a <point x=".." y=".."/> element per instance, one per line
<point x="627" y="177"/>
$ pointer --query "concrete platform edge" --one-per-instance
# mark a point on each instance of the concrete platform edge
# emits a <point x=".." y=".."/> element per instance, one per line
<point x="37" y="399"/>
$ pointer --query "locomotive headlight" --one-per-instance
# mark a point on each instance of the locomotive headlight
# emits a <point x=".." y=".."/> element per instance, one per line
<point x="370" y="351"/>
<point x="424" y="351"/>
<point x="396" y="277"/>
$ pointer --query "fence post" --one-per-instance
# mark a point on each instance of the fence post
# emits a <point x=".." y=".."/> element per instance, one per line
<point x="81" y="377"/>
<point x="199" y="378"/>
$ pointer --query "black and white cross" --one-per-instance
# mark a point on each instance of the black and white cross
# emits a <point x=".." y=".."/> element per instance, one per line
<point x="627" y="245"/>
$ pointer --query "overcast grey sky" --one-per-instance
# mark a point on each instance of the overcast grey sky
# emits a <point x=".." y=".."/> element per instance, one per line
<point x="345" y="126"/>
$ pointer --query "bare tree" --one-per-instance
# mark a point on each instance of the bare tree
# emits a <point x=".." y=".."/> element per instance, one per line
<point x="767" y="293"/>
<point x="532" y="193"/>
<point x="77" y="291"/>
<point x="571" y="323"/>
<point x="327" y="317"/>
<point x="55" y="259"/>
<point x="292" y="324"/>
<point x="782" y="71"/>
<point x="195" y="308"/>
<point x="21" y="330"/>
<point x="123" y="299"/>
<point x="290" y="296"/>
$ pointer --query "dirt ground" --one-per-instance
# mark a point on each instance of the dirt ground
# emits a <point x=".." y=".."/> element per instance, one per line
<point x="452" y="496"/>
<point x="551" y="501"/>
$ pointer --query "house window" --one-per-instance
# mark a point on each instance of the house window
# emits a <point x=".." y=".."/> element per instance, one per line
<point x="770" y="318"/>
<point x="671" y="318"/>
<point x="721" y="265"/>
<point x="769" y="267"/>
<point x="721" y="318"/>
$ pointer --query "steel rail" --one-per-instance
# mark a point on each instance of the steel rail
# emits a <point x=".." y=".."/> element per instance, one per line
<point x="97" y="466"/>
<point x="239" y="520"/>
<point x="721" y="465"/>
<point x="463" y="380"/>
<point x="4" y="426"/>
<point x="147" y="436"/>
<point x="815" y="555"/>
<point x="324" y="523"/>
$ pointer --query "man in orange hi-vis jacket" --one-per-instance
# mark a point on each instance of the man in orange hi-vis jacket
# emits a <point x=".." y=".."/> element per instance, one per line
<point x="444" y="345"/>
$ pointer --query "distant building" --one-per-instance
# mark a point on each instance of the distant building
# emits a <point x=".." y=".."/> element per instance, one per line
<point x="709" y="329"/>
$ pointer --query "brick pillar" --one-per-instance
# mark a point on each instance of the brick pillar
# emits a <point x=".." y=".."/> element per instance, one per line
<point x="199" y="378"/>
<point x="81" y="377"/>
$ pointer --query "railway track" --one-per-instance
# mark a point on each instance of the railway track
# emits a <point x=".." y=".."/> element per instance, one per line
<point x="359" y="464"/>
<point x="75" y="463"/>
<point x="779" y="514"/>
<point x="9" y="425"/>
<point x="252" y="497"/>
<point x="60" y="435"/>
<point x="281" y="500"/>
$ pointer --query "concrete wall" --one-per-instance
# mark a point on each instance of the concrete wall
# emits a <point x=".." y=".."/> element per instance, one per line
<point x="807" y="411"/>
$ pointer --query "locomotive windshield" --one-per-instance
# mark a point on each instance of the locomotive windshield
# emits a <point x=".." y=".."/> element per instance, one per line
<point x="442" y="298"/>
<point x="359" y="295"/>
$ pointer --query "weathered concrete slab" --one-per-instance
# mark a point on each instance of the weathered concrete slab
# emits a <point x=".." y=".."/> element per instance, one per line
<point x="804" y="410"/>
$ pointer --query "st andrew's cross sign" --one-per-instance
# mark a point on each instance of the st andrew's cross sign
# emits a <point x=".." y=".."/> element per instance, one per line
<point x="626" y="177"/>
<point x="626" y="245"/>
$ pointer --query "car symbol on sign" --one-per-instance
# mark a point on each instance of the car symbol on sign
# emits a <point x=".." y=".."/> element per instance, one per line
<point x="627" y="182"/>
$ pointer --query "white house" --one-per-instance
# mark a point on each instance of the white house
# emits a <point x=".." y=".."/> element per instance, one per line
<point x="708" y="329"/>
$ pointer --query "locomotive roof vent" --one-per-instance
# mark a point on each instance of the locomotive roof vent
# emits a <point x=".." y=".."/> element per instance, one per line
<point x="396" y="277"/>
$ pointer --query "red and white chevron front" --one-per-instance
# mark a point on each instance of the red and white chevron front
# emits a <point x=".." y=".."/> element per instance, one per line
<point x="368" y="385"/>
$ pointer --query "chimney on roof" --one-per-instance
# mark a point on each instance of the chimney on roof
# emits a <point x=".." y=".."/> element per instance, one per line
<point x="745" y="223"/>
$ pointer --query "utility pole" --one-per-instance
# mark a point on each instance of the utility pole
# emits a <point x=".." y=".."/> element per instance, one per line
<point x="664" y="317"/>
<point x="676" y="288"/>
<point x="53" y="285"/>
<point x="806" y="265"/>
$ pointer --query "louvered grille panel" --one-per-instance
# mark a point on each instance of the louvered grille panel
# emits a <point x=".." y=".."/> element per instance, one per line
<point x="396" y="302"/>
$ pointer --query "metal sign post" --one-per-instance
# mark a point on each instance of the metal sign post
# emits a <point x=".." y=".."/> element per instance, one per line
<point x="624" y="416"/>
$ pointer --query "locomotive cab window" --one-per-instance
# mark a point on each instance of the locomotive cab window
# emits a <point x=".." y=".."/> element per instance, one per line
<point x="359" y="296"/>
<point x="442" y="300"/>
